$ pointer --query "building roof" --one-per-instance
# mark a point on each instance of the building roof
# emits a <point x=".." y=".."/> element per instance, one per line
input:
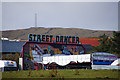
<point x="11" y="46"/>
<point x="89" y="41"/>
<point x="88" y="48"/>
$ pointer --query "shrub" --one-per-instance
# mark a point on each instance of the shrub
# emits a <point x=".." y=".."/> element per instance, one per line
<point x="53" y="73"/>
<point x="76" y="72"/>
<point x="29" y="73"/>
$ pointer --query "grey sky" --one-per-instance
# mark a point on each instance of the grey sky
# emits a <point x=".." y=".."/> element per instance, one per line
<point x="86" y="15"/>
<point x="60" y="0"/>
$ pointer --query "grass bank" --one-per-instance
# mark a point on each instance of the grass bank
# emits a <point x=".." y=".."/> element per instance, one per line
<point x="65" y="73"/>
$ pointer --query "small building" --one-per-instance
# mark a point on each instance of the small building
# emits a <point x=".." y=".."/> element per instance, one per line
<point x="102" y="60"/>
<point x="11" y="47"/>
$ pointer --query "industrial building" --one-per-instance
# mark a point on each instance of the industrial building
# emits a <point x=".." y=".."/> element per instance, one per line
<point x="57" y="55"/>
<point x="61" y="55"/>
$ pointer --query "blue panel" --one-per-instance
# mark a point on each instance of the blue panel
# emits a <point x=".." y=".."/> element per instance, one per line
<point x="101" y="63"/>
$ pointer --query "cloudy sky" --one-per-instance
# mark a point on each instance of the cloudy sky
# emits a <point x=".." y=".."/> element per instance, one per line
<point x="85" y="15"/>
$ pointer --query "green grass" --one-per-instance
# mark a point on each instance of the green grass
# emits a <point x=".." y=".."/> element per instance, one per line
<point x="71" y="73"/>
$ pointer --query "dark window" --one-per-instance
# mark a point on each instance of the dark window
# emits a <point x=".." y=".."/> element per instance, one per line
<point x="10" y="68"/>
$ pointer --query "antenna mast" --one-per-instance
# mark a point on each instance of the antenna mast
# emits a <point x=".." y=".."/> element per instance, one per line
<point x="35" y="19"/>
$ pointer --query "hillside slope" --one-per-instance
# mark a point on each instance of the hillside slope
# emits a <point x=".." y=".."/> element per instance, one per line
<point x="82" y="33"/>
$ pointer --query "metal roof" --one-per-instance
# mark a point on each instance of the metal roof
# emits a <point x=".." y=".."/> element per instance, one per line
<point x="11" y="46"/>
<point x="103" y="53"/>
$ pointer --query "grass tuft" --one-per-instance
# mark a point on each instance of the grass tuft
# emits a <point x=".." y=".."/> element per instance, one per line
<point x="53" y="73"/>
<point x="76" y="72"/>
<point x="41" y="75"/>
